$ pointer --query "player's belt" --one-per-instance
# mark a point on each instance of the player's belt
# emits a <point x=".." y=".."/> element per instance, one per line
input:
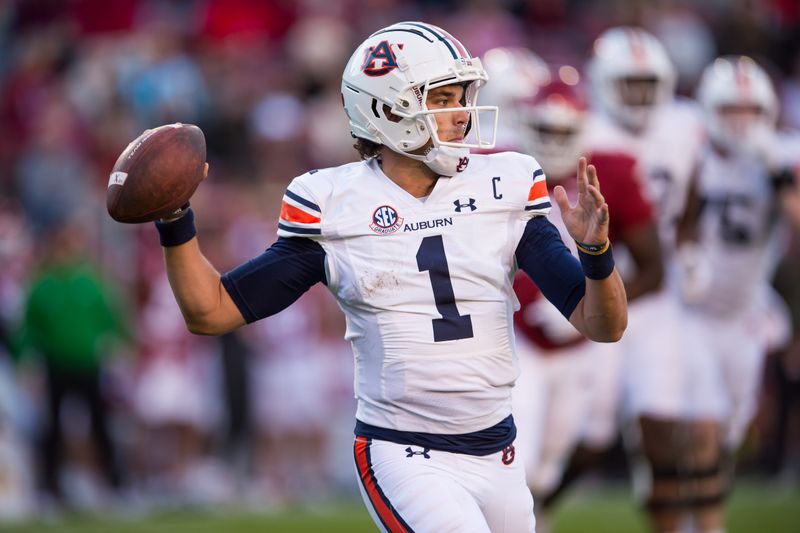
<point x="484" y="442"/>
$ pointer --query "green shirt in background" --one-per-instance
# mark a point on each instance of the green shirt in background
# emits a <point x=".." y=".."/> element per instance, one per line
<point x="68" y="316"/>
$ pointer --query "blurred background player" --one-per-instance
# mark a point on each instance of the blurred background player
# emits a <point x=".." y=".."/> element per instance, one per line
<point x="734" y="234"/>
<point x="517" y="74"/>
<point x="632" y="83"/>
<point x="561" y="397"/>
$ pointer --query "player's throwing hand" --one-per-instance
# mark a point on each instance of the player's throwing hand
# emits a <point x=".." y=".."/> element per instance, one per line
<point x="587" y="221"/>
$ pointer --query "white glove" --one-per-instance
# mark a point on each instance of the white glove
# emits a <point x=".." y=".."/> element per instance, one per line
<point x="694" y="273"/>
<point x="761" y="143"/>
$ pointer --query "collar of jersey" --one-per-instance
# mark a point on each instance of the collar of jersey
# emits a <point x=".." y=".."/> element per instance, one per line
<point x="403" y="194"/>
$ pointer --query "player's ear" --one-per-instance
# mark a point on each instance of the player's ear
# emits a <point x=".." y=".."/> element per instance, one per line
<point x="205" y="171"/>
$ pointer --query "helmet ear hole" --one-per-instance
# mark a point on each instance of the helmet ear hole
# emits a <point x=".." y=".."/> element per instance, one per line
<point x="391" y="117"/>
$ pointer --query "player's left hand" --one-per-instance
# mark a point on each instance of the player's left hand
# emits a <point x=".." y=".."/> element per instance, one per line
<point x="587" y="221"/>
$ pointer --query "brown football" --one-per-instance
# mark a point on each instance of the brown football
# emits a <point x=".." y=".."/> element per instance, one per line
<point x="157" y="173"/>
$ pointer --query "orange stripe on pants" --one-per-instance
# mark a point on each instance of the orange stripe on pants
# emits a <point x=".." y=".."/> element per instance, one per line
<point x="387" y="515"/>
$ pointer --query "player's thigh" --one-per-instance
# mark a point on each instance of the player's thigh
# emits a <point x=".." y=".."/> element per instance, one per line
<point x="603" y="368"/>
<point x="506" y="502"/>
<point x="529" y="406"/>
<point x="570" y="395"/>
<point x="705" y="391"/>
<point x="742" y="358"/>
<point x="408" y="488"/>
<point x="654" y="353"/>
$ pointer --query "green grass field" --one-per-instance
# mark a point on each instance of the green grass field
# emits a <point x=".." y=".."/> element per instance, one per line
<point x="754" y="507"/>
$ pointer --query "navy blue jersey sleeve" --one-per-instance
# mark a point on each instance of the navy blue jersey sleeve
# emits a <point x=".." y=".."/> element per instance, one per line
<point x="546" y="259"/>
<point x="272" y="281"/>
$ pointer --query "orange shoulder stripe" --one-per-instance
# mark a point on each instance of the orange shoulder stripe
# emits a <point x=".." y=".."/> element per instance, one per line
<point x="290" y="213"/>
<point x="538" y="190"/>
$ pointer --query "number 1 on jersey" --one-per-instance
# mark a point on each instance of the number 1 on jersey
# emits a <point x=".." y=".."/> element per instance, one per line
<point x="451" y="326"/>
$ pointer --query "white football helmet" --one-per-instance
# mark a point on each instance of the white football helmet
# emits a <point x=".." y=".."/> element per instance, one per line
<point x="554" y="122"/>
<point x="516" y="74"/>
<point x="738" y="82"/>
<point x="385" y="87"/>
<point x="631" y="74"/>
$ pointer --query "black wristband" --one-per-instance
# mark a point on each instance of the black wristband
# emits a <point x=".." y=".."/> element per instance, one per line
<point x="783" y="179"/>
<point x="178" y="231"/>
<point x="597" y="266"/>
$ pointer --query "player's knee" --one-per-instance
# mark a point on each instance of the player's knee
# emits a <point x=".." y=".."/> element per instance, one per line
<point x="686" y="487"/>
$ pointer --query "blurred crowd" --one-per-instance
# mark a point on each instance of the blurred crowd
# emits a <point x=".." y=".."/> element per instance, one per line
<point x="104" y="395"/>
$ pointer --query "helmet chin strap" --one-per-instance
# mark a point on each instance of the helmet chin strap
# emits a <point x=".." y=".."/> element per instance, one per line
<point x="443" y="160"/>
<point x="446" y="160"/>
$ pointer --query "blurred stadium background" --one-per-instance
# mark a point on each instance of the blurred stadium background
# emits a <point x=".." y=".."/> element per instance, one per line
<point x="252" y="431"/>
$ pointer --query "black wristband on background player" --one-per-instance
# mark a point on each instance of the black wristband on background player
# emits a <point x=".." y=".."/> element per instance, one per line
<point x="783" y="179"/>
<point x="178" y="231"/>
<point x="596" y="265"/>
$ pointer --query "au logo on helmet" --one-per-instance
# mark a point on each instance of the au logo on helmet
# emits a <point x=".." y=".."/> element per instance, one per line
<point x="380" y="59"/>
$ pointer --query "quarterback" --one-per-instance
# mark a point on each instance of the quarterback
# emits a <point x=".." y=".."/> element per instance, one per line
<point x="419" y="243"/>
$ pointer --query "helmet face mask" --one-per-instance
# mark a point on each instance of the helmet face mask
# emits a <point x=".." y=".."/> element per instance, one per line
<point x="638" y="91"/>
<point x="631" y="74"/>
<point x="396" y="68"/>
<point x="740" y="104"/>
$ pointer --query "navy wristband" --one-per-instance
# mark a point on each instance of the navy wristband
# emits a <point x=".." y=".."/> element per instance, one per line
<point x="783" y="179"/>
<point x="597" y="266"/>
<point x="178" y="231"/>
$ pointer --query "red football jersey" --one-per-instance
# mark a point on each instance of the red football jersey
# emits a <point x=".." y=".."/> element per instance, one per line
<point x="628" y="208"/>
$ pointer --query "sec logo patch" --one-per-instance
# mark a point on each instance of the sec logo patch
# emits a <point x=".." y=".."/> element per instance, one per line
<point x="385" y="220"/>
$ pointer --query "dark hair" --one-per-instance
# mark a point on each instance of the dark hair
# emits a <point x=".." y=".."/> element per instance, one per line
<point x="367" y="149"/>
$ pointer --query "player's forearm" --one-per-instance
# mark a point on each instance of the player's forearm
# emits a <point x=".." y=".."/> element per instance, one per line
<point x="198" y="290"/>
<point x="602" y="314"/>
<point x="645" y="282"/>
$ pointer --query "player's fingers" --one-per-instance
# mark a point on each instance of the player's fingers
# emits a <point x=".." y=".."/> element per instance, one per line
<point x="596" y="195"/>
<point x="582" y="179"/>
<point x="603" y="218"/>
<point x="591" y="173"/>
<point x="560" y="196"/>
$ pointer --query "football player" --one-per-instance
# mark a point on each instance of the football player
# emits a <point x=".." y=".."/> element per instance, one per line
<point x="744" y="195"/>
<point x="632" y="82"/>
<point x="568" y="388"/>
<point x="419" y="243"/>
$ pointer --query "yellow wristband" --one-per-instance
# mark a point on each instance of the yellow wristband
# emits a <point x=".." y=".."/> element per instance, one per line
<point x="593" y="249"/>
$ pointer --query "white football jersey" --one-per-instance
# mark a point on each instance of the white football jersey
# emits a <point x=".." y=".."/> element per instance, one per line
<point x="426" y="286"/>
<point x="667" y="152"/>
<point x="739" y="231"/>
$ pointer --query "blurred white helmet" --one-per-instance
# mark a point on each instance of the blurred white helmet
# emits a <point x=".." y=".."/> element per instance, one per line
<point x="554" y="123"/>
<point x="739" y="102"/>
<point x="385" y="87"/>
<point x="516" y="74"/>
<point x="630" y="74"/>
